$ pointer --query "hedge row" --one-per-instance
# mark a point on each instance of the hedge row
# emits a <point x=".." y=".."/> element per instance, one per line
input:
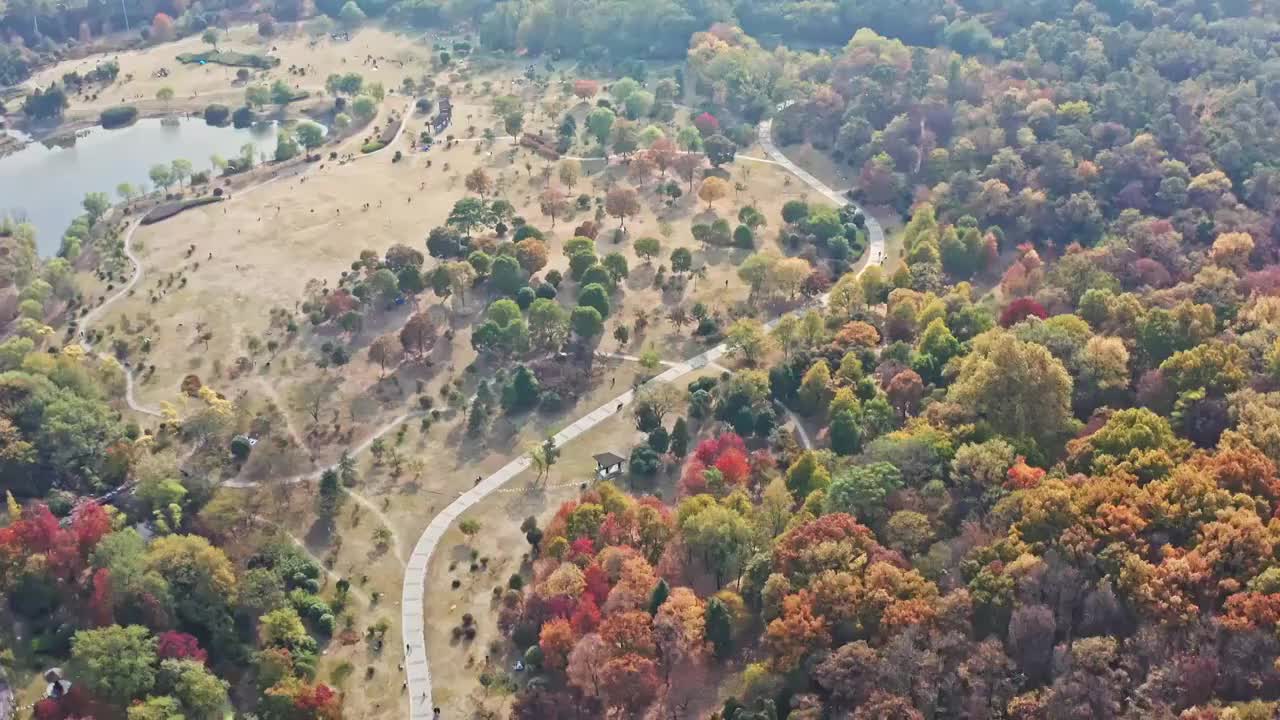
<point x="218" y="115"/>
<point x="230" y="58"/>
<point x="164" y="212"/>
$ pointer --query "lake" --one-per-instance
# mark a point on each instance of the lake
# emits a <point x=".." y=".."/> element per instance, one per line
<point x="45" y="185"/>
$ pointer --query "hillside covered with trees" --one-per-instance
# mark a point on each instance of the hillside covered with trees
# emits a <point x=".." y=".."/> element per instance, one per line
<point x="1044" y="478"/>
<point x="158" y="608"/>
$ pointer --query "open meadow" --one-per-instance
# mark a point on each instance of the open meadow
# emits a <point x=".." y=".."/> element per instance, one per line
<point x="306" y="59"/>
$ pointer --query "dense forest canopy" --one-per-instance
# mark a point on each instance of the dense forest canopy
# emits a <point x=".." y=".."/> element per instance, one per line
<point x="151" y="623"/>
<point x="573" y="27"/>
<point x="662" y="29"/>
<point x="1044" y="486"/>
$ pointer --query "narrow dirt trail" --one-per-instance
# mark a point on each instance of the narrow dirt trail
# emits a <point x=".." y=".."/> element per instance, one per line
<point x="335" y="577"/>
<point x="364" y="502"/>
<point x="270" y="392"/>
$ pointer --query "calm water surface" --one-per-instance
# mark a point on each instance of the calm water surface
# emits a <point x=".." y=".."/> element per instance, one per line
<point x="45" y="185"/>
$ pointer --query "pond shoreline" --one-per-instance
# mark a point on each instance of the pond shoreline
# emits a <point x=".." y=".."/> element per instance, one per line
<point x="45" y="183"/>
<point x="65" y="133"/>
<point x="10" y="144"/>
<point x="187" y="108"/>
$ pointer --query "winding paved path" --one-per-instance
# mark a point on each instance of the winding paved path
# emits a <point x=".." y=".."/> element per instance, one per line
<point x="804" y="434"/>
<point x="875" y="233"/>
<point x="416" y="666"/>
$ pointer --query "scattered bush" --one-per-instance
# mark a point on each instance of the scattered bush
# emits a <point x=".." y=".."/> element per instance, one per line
<point x="243" y="117"/>
<point x="217" y="115"/>
<point x="525" y="297"/>
<point x="524" y="231"/>
<point x="644" y="461"/>
<point x="551" y="402"/>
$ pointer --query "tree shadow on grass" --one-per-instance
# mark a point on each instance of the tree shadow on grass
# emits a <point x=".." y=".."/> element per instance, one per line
<point x="460" y="553"/>
<point x="674" y="293"/>
<point x="319" y="535"/>
<point x="641" y="276"/>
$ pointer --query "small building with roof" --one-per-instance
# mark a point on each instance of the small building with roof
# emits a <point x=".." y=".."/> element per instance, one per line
<point x="57" y="683"/>
<point x="608" y="464"/>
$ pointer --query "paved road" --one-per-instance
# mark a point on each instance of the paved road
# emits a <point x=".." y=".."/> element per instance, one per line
<point x="413" y="594"/>
<point x="804" y="435"/>
<point x="875" y="233"/>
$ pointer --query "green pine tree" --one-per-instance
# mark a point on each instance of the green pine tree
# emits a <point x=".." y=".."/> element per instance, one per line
<point x="660" y="593"/>
<point x="679" y="442"/>
<point x="719" y="628"/>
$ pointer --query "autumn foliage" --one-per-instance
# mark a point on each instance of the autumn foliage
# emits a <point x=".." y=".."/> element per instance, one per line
<point x="162" y="27"/>
<point x="1016" y="462"/>
<point x="179" y="646"/>
<point x="1021" y="309"/>
<point x="725" y="455"/>
<point x="707" y="124"/>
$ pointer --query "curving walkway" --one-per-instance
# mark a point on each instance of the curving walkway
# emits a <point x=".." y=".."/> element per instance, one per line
<point x="875" y="233"/>
<point x="800" y="431"/>
<point x="97" y="313"/>
<point x="413" y="616"/>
